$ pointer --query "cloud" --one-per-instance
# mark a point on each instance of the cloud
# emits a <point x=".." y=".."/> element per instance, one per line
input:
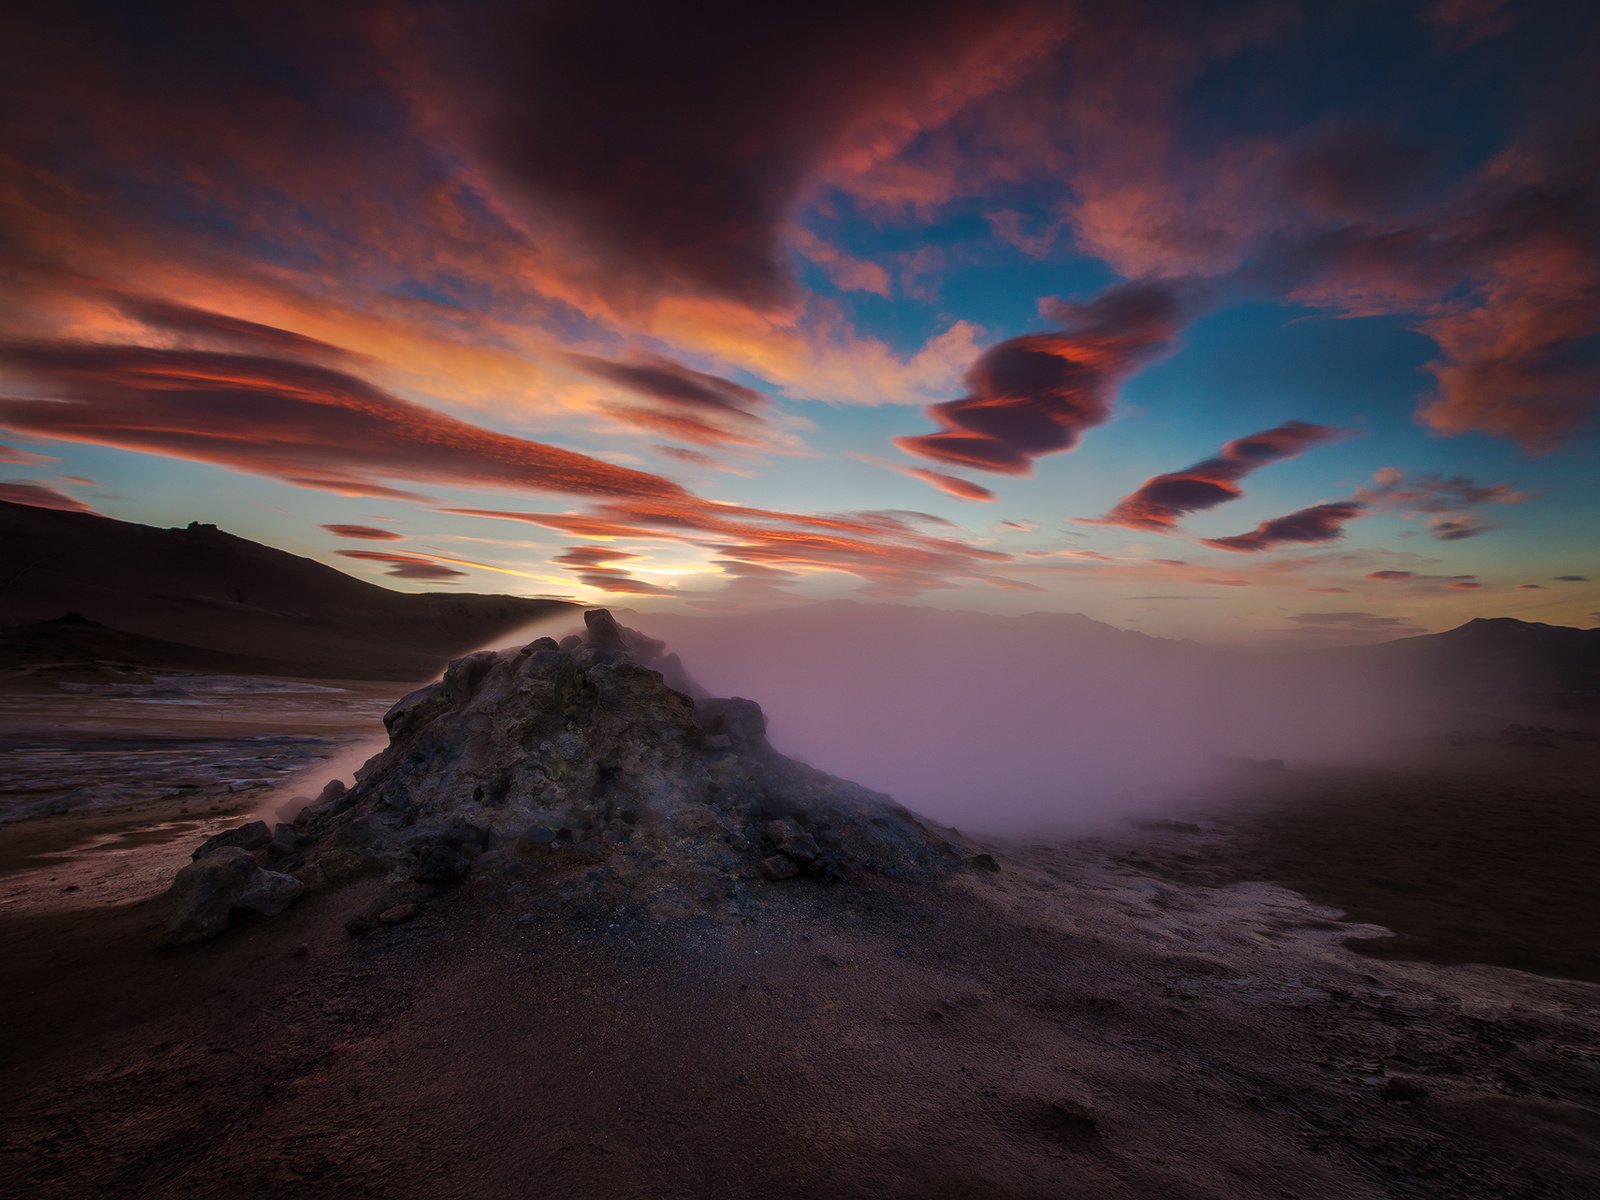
<point x="1354" y="170"/>
<point x="962" y="489"/>
<point x="592" y="556"/>
<point x="1346" y="624"/>
<point x="845" y="271"/>
<point x="671" y="382"/>
<point x="618" y="581"/>
<point x="1463" y="23"/>
<point x="1037" y="394"/>
<point x="37" y="495"/>
<point x="303" y="423"/>
<point x="1571" y="578"/>
<point x="221" y="331"/>
<point x="1452" y="529"/>
<point x="1465" y="585"/>
<point x="1319" y="523"/>
<point x="673" y="151"/>
<point x="1530" y="587"/>
<point x="1391" y="575"/>
<point x="24" y="458"/>
<point x="405" y="566"/>
<point x="697" y="458"/>
<point x="1504" y="276"/>
<point x="369" y="533"/>
<point x="1159" y="502"/>
<point x="889" y="551"/>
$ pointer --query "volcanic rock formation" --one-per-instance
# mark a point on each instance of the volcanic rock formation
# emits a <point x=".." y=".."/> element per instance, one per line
<point x="592" y="774"/>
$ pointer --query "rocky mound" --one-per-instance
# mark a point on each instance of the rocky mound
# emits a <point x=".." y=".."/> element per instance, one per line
<point x="591" y="775"/>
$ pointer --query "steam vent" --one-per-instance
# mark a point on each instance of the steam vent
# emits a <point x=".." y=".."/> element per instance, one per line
<point x="592" y="775"/>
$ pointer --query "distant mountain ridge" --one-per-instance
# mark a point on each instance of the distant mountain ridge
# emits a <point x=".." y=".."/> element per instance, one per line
<point x="1501" y="655"/>
<point x="198" y="598"/>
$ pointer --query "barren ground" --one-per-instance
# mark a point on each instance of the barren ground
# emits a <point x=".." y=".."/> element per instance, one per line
<point x="1153" y="1012"/>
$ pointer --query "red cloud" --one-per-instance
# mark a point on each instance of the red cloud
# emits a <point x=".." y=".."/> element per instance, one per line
<point x="300" y="422"/>
<point x="1037" y="394"/>
<point x="592" y="556"/>
<point x="406" y="566"/>
<point x="1319" y="523"/>
<point x="1160" y="501"/>
<point x="37" y="495"/>
<point x="365" y="532"/>
<point x="673" y="383"/>
<point x="673" y="150"/>
<point x="886" y="550"/>
<point x="1390" y="575"/>
<point x="962" y="489"/>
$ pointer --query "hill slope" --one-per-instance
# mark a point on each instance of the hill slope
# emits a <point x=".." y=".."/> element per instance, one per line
<point x="199" y="598"/>
<point x="1501" y="658"/>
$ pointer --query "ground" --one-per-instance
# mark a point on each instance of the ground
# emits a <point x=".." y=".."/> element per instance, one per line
<point x="1143" y="1012"/>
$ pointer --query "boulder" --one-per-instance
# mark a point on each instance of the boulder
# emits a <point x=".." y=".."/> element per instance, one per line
<point x="269" y="893"/>
<point x="206" y="892"/>
<point x="251" y="837"/>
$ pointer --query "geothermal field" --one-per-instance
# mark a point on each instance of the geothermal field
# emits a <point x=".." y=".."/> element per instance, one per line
<point x="577" y="921"/>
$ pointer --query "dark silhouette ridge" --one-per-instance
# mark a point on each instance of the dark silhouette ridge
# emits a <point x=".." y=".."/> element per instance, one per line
<point x="201" y="599"/>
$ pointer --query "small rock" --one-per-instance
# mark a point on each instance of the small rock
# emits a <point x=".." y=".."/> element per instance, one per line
<point x="778" y="867"/>
<point x="983" y="862"/>
<point x="440" y="864"/>
<point x="397" y="914"/>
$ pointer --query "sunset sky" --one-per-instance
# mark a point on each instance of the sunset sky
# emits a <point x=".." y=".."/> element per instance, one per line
<point x="1232" y="321"/>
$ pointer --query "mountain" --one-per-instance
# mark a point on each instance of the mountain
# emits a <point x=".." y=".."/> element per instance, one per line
<point x="76" y="588"/>
<point x="1500" y="658"/>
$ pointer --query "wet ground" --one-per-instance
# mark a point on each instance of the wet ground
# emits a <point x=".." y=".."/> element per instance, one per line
<point x="69" y="744"/>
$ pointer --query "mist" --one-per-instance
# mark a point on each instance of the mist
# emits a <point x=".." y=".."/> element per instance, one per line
<point x="1037" y="724"/>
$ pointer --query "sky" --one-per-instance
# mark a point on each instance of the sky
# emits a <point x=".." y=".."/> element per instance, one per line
<point x="1247" y="322"/>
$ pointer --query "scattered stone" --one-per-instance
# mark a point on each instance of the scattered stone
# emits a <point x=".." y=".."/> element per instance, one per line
<point x="778" y="867"/>
<point x="440" y="864"/>
<point x="397" y="914"/>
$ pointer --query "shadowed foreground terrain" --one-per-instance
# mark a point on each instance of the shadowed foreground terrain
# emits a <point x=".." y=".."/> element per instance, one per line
<point x="1142" y="1013"/>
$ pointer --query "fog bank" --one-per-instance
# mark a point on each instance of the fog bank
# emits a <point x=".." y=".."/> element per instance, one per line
<point x="1025" y="724"/>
